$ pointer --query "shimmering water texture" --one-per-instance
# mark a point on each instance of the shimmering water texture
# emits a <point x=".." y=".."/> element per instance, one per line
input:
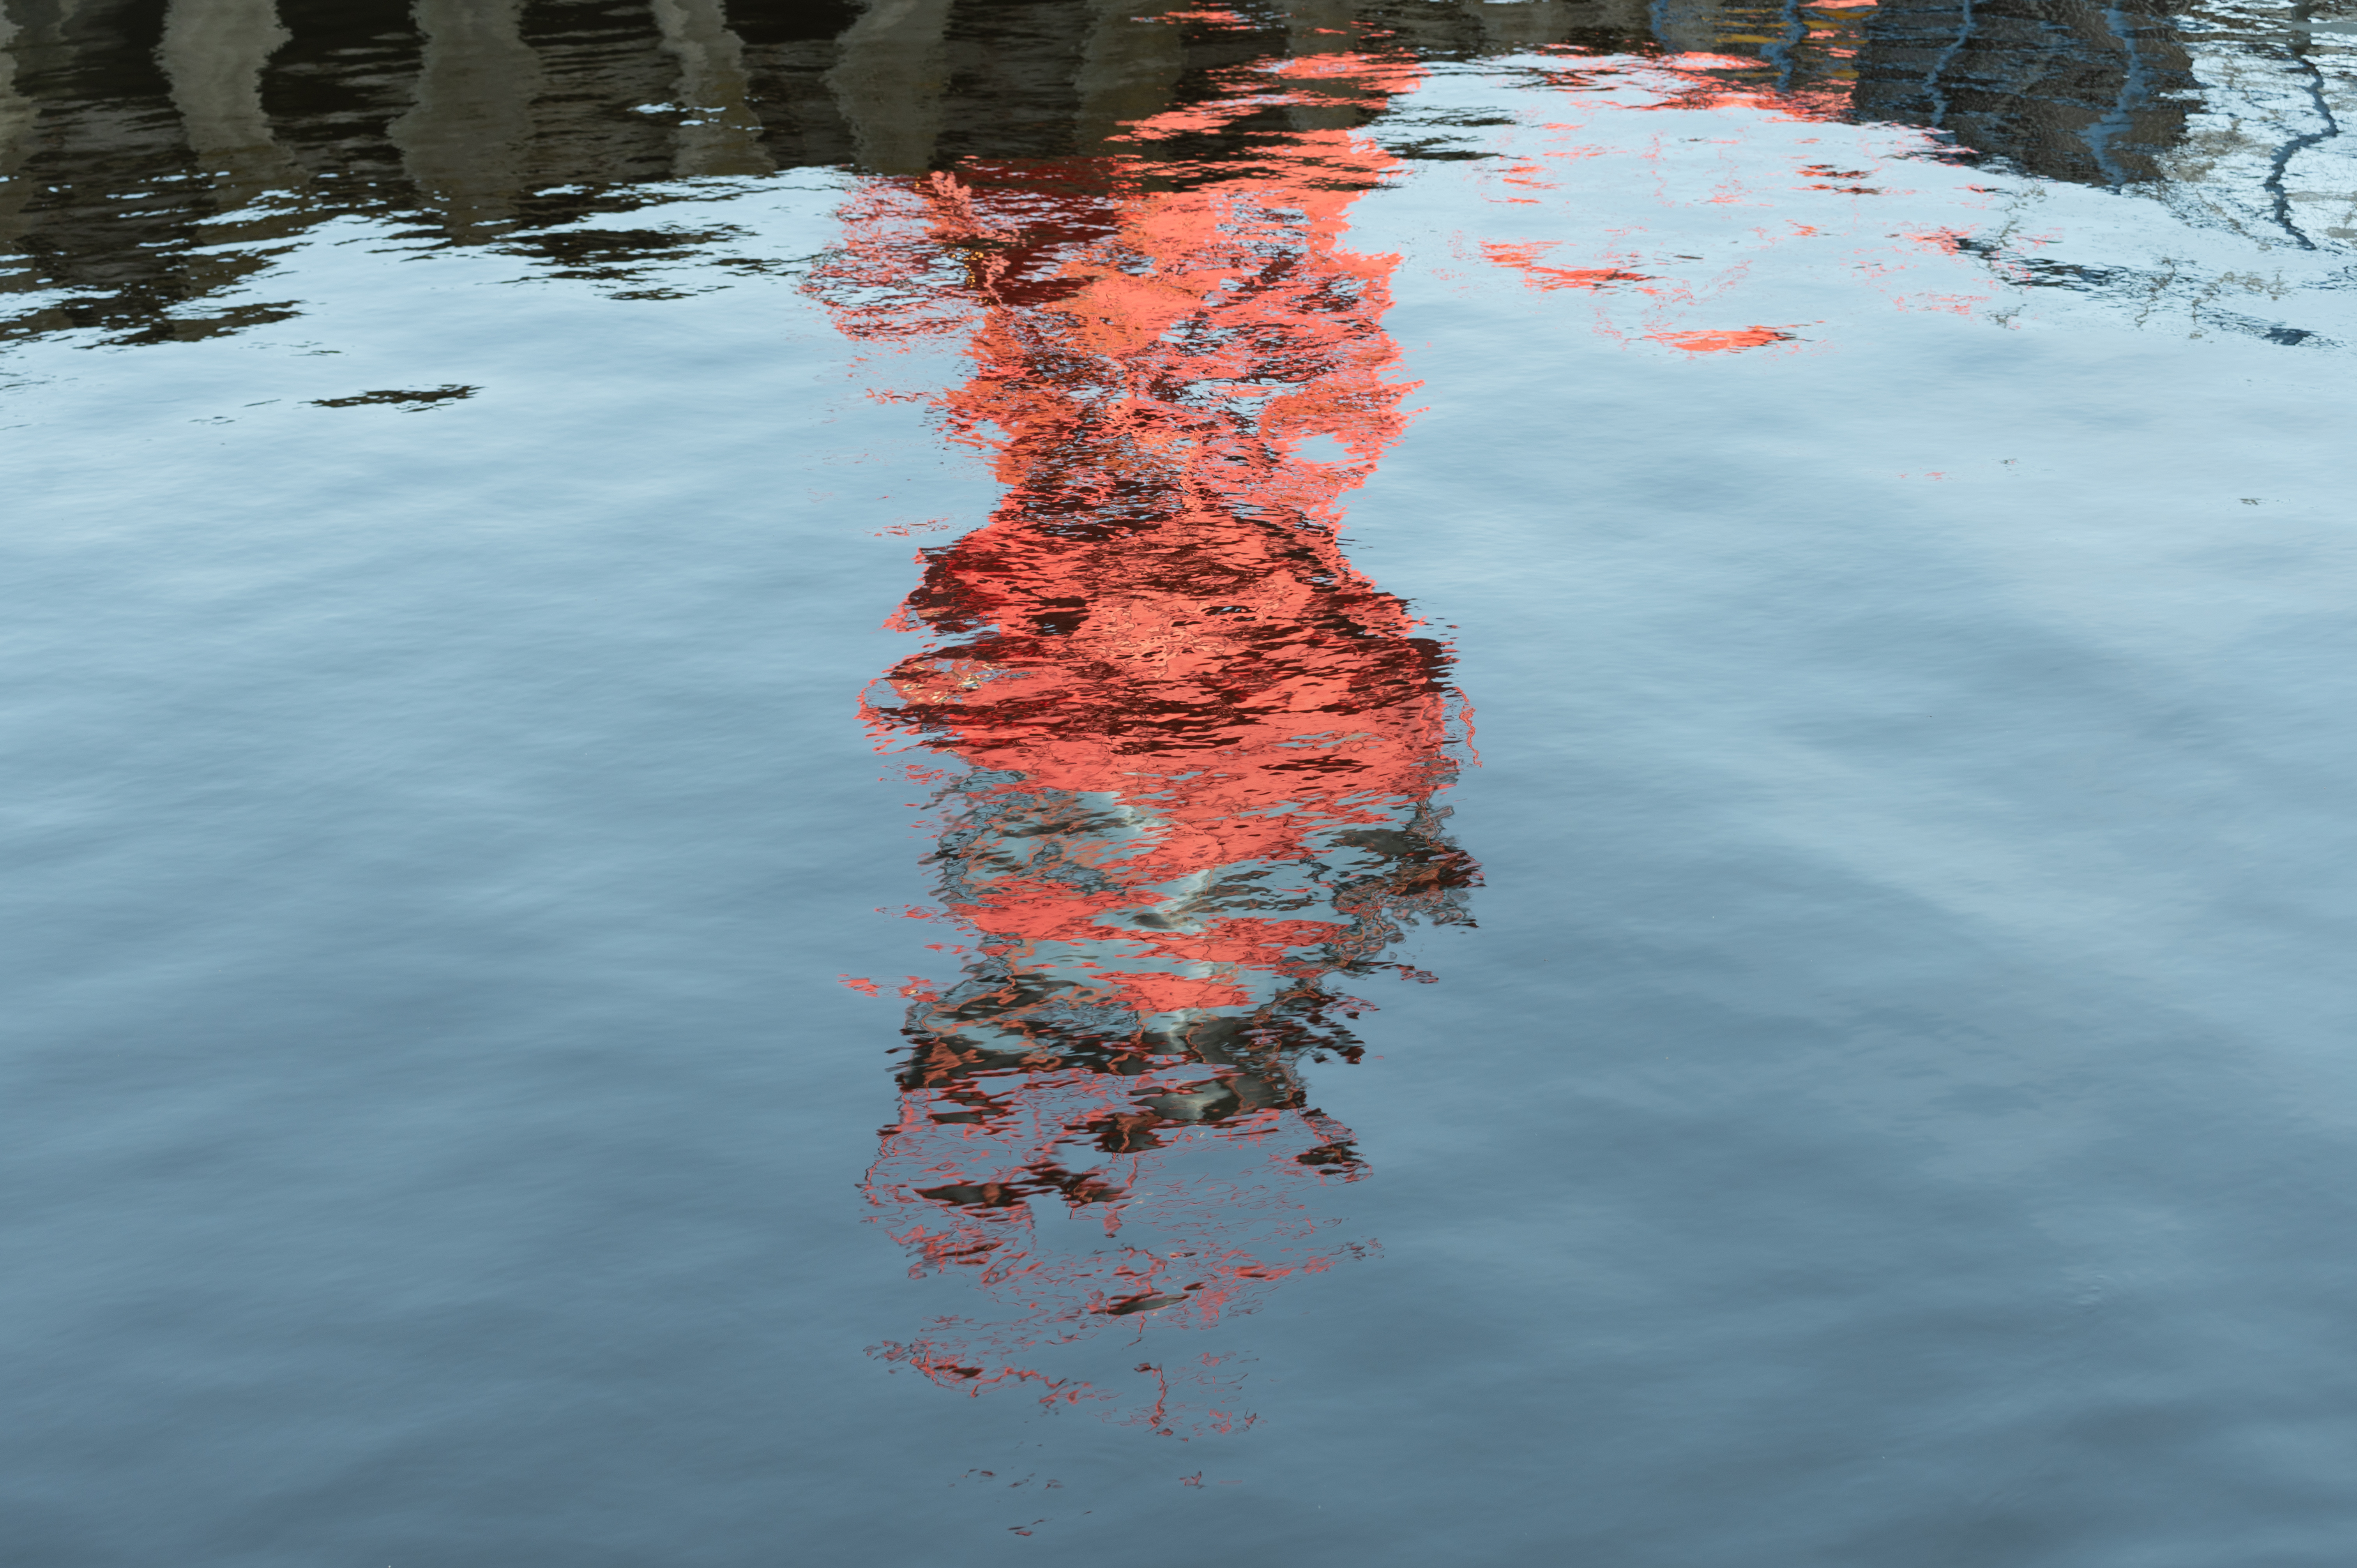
<point x="1821" y="526"/>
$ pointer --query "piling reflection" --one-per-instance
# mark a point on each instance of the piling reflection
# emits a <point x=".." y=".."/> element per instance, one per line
<point x="1194" y="751"/>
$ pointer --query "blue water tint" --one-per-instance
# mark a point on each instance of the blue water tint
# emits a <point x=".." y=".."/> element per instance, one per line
<point x="1893" y="1107"/>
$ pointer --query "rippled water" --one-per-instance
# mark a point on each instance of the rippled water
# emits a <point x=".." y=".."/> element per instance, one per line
<point x="970" y="783"/>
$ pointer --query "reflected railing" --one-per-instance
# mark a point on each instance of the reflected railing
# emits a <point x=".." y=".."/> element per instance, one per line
<point x="152" y="155"/>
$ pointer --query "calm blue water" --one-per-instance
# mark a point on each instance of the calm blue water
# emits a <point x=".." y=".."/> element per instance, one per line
<point x="1871" y="804"/>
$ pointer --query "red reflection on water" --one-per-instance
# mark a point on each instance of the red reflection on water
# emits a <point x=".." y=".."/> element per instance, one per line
<point x="1672" y="225"/>
<point x="1199" y="747"/>
<point x="1721" y="342"/>
<point x="1524" y="259"/>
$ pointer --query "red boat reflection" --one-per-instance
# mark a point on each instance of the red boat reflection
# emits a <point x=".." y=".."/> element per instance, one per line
<point x="1197" y="750"/>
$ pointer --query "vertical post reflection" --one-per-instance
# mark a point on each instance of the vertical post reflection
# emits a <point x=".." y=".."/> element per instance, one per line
<point x="891" y="66"/>
<point x="464" y="141"/>
<point x="16" y="118"/>
<point x="725" y="137"/>
<point x="213" y="52"/>
<point x="1195" y="751"/>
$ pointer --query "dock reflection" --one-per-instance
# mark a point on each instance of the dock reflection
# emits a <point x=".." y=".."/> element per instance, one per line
<point x="1193" y="752"/>
<point x="152" y="155"/>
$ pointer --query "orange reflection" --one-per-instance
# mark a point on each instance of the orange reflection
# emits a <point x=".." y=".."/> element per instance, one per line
<point x="1696" y="208"/>
<point x="1197" y="749"/>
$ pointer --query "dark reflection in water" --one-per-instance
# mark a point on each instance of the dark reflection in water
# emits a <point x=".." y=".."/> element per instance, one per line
<point x="157" y="154"/>
<point x="1197" y="750"/>
<point x="2069" y="89"/>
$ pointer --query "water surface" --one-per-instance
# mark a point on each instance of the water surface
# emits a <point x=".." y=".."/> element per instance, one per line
<point x="1384" y="783"/>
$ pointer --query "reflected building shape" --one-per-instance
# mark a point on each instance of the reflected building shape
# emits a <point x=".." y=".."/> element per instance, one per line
<point x="1193" y="753"/>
